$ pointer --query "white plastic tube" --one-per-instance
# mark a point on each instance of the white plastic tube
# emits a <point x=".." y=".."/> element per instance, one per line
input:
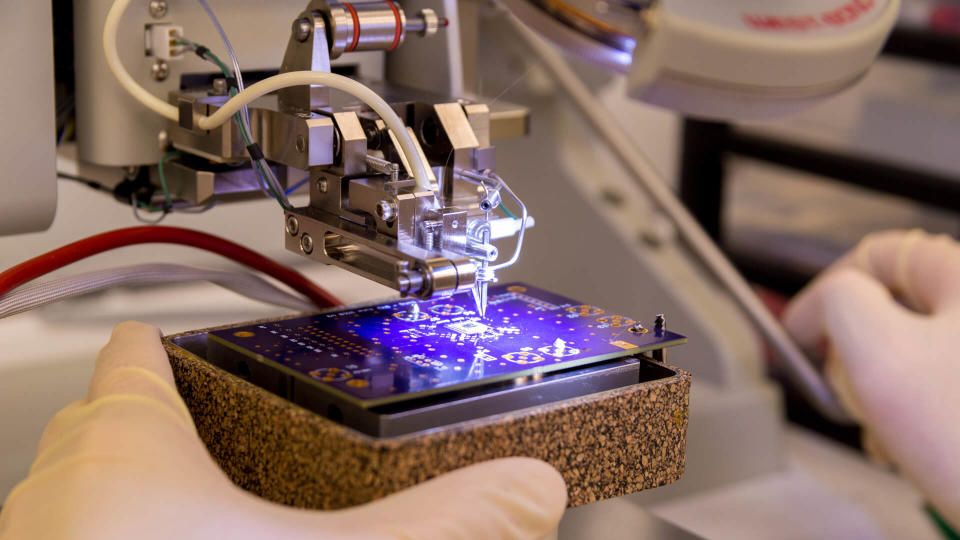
<point x="271" y="84"/>
<point x="338" y="82"/>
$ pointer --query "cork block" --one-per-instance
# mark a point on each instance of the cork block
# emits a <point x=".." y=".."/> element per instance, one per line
<point x="605" y="444"/>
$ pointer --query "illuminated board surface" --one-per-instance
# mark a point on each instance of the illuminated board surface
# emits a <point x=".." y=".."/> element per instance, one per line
<point x="412" y="348"/>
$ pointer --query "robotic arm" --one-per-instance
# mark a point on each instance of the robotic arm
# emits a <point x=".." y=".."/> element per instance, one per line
<point x="402" y="190"/>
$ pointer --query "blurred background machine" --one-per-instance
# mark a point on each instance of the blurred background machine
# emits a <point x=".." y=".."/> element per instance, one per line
<point x="597" y="229"/>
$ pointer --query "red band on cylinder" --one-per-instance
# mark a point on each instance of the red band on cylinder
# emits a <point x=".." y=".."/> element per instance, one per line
<point x="399" y="30"/>
<point x="356" y="27"/>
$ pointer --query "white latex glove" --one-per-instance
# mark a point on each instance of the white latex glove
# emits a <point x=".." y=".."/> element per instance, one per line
<point x="126" y="462"/>
<point x="895" y="366"/>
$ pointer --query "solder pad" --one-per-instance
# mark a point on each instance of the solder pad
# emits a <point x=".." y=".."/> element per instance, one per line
<point x="394" y="352"/>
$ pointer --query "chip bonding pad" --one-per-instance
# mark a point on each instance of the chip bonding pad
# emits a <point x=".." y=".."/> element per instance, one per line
<point x="389" y="354"/>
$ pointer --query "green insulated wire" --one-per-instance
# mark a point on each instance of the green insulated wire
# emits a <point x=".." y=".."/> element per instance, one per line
<point x="942" y="525"/>
<point x="163" y="179"/>
<point x="167" y="197"/>
<point x="247" y="139"/>
<point x="508" y="212"/>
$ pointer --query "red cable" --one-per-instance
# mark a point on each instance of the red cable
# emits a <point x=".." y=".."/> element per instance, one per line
<point x="81" y="249"/>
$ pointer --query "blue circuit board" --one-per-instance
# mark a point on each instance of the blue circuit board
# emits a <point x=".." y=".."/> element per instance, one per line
<point x="412" y="348"/>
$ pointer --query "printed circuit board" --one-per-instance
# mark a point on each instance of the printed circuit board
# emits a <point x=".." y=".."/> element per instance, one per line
<point x="409" y="349"/>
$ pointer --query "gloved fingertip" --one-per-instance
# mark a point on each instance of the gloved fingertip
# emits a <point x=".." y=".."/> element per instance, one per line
<point x="853" y="293"/>
<point x="841" y="304"/>
<point x="132" y="344"/>
<point x="134" y="330"/>
<point x="857" y="313"/>
<point x="803" y="316"/>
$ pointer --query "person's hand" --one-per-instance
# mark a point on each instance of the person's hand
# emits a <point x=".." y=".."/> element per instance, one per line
<point x="126" y="462"/>
<point x="890" y="314"/>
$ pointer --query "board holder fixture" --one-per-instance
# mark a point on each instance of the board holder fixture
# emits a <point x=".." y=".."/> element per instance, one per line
<point x="611" y="423"/>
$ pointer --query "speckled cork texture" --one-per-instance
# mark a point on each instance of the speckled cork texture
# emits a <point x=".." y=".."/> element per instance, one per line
<point x="605" y="445"/>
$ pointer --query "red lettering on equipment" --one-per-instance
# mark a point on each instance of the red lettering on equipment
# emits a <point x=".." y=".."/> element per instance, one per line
<point x="843" y="15"/>
<point x="774" y="22"/>
<point x="847" y="13"/>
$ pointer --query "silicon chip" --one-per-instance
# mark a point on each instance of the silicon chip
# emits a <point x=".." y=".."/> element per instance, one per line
<point x="469" y="328"/>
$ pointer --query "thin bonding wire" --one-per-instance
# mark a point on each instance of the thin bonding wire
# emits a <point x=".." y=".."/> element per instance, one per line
<point x="270" y="177"/>
<point x="245" y="111"/>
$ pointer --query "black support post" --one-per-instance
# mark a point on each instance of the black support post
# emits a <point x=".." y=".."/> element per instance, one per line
<point x="702" y="171"/>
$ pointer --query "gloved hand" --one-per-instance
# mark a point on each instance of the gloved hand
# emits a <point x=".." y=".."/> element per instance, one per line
<point x="890" y="314"/>
<point x="126" y="462"/>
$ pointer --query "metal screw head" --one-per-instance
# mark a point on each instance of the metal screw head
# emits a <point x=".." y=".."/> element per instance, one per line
<point x="158" y="8"/>
<point x="293" y="225"/>
<point x="220" y="86"/>
<point x="306" y="243"/>
<point x="387" y="210"/>
<point x="638" y="328"/>
<point x="322" y="185"/>
<point x="301" y="144"/>
<point x="160" y="70"/>
<point x="302" y="29"/>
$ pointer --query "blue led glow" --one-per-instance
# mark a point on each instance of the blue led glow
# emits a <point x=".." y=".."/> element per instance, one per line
<point x="405" y="349"/>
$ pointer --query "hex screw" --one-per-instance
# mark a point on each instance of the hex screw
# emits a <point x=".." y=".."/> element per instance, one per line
<point x="158" y="8"/>
<point x="387" y="210"/>
<point x="306" y="243"/>
<point x="660" y="326"/>
<point x="322" y="185"/>
<point x="293" y="225"/>
<point x="160" y="70"/>
<point x="220" y="87"/>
